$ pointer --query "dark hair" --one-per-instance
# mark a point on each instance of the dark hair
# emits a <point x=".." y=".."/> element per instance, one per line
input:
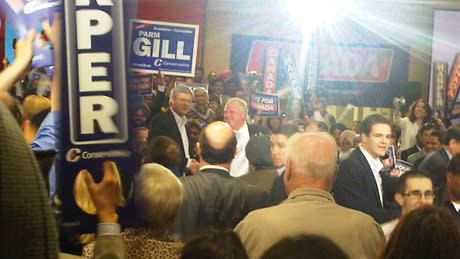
<point x="413" y="173"/>
<point x="217" y="156"/>
<point x="258" y="151"/>
<point x="371" y="120"/>
<point x="395" y="131"/>
<point x="427" y="232"/>
<point x="214" y="244"/>
<point x="425" y="127"/>
<point x="428" y="116"/>
<point x="286" y="129"/>
<point x="452" y="132"/>
<point x="38" y="118"/>
<point x="193" y="123"/>
<point x="218" y="80"/>
<point x="164" y="151"/>
<point x="339" y="126"/>
<point x="321" y="125"/>
<point x="214" y="98"/>
<point x="437" y="134"/>
<point x="306" y="247"/>
<point x="454" y="165"/>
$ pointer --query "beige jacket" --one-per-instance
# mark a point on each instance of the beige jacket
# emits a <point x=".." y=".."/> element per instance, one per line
<point x="311" y="211"/>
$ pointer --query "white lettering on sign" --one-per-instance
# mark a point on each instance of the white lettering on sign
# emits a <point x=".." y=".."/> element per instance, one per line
<point x="94" y="108"/>
<point x="145" y="47"/>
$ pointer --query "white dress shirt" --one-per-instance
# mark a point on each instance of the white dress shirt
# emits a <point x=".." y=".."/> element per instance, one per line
<point x="181" y="121"/>
<point x="376" y="165"/>
<point x="240" y="164"/>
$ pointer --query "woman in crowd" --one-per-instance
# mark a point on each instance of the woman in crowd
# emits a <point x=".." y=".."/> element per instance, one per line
<point x="157" y="197"/>
<point x="428" y="232"/>
<point x="419" y="114"/>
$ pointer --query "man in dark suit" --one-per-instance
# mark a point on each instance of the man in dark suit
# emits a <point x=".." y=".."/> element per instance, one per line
<point x="421" y="137"/>
<point x="235" y="113"/>
<point x="436" y="163"/>
<point x="278" y="142"/>
<point x="172" y="124"/>
<point x="358" y="184"/>
<point x="213" y="197"/>
<point x="451" y="192"/>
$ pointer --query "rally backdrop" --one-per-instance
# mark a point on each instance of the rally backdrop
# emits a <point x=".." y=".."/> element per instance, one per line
<point x="445" y="66"/>
<point x="363" y="75"/>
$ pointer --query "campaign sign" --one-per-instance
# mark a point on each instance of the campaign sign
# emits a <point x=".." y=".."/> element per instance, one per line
<point x="264" y="104"/>
<point x="141" y="84"/>
<point x="95" y="112"/>
<point x="27" y="15"/>
<point x="171" y="47"/>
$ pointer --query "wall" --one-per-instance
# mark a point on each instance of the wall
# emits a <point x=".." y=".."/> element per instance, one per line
<point x="376" y="21"/>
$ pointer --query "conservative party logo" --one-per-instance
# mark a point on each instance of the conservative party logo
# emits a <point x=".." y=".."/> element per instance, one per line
<point x="73" y="155"/>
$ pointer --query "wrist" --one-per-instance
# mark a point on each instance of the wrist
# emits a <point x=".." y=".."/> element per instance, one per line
<point x="109" y="216"/>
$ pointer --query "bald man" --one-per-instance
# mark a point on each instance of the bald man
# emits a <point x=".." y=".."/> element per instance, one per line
<point x="213" y="197"/>
<point x="310" y="208"/>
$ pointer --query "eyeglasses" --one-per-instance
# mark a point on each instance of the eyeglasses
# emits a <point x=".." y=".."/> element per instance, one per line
<point x="416" y="194"/>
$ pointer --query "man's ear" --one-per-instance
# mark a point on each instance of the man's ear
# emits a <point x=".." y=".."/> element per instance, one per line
<point x="399" y="198"/>
<point x="287" y="172"/>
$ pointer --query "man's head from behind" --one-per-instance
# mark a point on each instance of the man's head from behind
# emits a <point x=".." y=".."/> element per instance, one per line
<point x="452" y="140"/>
<point x="158" y="196"/>
<point x="414" y="190"/>
<point x="235" y="113"/>
<point x="376" y="134"/>
<point x="217" y="144"/>
<point x="453" y="179"/>
<point x="311" y="161"/>
<point x="181" y="100"/>
<point x="278" y="141"/>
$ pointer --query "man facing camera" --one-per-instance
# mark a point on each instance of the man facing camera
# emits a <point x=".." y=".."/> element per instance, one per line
<point x="358" y="184"/>
<point x="414" y="190"/>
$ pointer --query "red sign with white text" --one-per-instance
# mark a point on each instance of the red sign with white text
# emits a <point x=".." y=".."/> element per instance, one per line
<point x="364" y="64"/>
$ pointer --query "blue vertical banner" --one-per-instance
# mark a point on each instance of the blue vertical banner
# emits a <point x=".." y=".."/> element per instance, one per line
<point x="169" y="47"/>
<point x="95" y="112"/>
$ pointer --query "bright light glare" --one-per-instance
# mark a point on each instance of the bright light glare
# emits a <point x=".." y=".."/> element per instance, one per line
<point x="313" y="13"/>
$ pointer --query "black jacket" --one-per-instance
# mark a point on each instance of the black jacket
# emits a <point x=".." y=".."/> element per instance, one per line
<point x="214" y="198"/>
<point x="355" y="188"/>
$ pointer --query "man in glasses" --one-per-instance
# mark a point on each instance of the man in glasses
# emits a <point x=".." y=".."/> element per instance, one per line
<point x="415" y="189"/>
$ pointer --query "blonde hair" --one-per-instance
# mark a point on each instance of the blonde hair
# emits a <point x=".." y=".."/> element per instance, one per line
<point x="34" y="104"/>
<point x="158" y="195"/>
<point x="313" y="153"/>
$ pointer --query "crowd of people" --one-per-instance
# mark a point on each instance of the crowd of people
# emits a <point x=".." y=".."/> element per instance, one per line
<point x="219" y="182"/>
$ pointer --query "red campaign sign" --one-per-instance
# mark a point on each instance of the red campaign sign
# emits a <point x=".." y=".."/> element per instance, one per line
<point x="271" y="65"/>
<point x="454" y="79"/>
<point x="340" y="63"/>
<point x="257" y="53"/>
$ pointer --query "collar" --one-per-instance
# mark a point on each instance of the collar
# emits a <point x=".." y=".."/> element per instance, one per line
<point x="449" y="155"/>
<point x="312" y="193"/>
<point x="244" y="129"/>
<point x="179" y="120"/>
<point x="373" y="162"/>
<point x="456" y="205"/>
<point x="214" y="167"/>
<point x="280" y="170"/>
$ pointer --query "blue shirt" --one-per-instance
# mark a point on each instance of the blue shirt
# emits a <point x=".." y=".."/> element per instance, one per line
<point x="48" y="136"/>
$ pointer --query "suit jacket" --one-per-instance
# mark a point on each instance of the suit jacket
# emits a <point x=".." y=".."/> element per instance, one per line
<point x="257" y="130"/>
<point x="355" y="187"/>
<point x="214" y="198"/>
<point x="277" y="193"/>
<point x="311" y="211"/>
<point x="448" y="204"/>
<point x="262" y="178"/>
<point x="406" y="153"/>
<point x="435" y="164"/>
<point x="164" y="124"/>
